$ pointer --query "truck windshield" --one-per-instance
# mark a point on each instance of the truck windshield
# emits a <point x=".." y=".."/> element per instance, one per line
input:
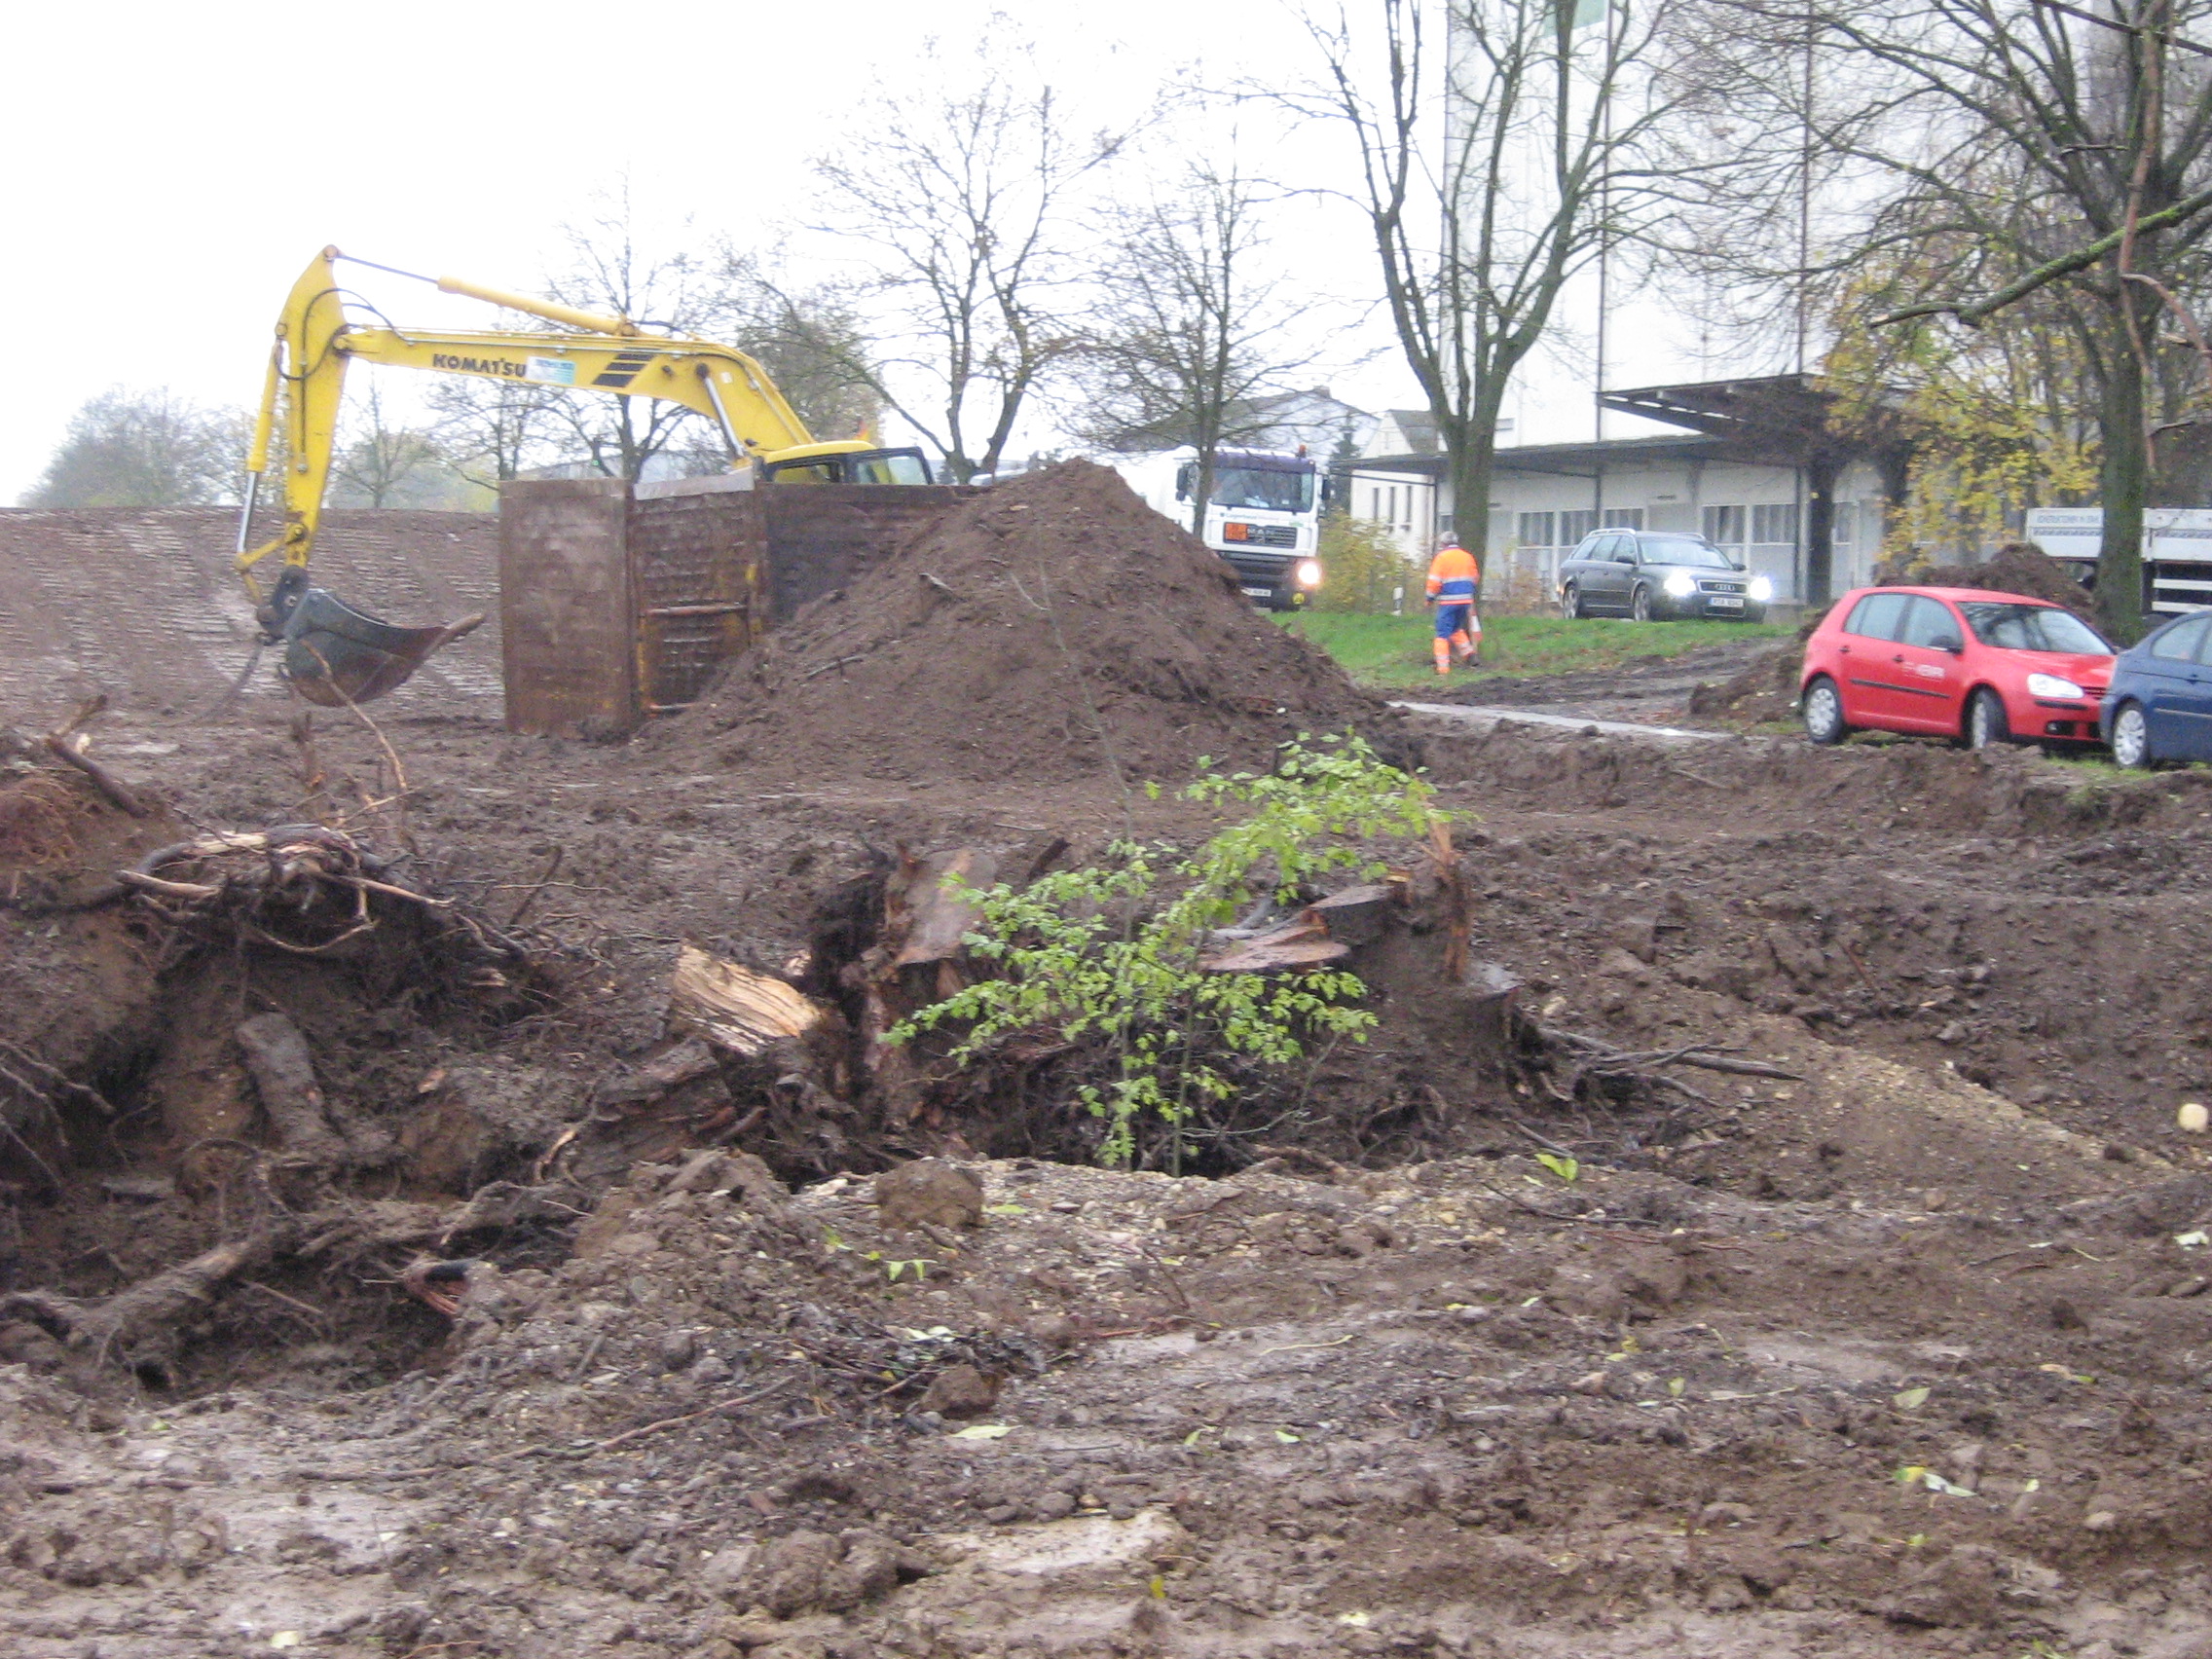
<point x="2032" y="628"/>
<point x="1263" y="490"/>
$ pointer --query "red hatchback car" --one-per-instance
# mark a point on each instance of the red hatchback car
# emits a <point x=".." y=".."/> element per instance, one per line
<point x="1978" y="668"/>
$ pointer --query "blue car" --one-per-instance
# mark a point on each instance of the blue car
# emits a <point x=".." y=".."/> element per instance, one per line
<point x="2159" y="705"/>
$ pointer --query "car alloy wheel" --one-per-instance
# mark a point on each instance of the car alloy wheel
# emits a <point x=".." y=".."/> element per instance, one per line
<point x="1823" y="711"/>
<point x="1570" y="603"/>
<point x="2132" y="737"/>
<point x="1639" y="604"/>
<point x="1986" y="725"/>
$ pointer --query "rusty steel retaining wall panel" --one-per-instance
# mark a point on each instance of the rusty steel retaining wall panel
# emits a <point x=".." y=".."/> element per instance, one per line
<point x="822" y="536"/>
<point x="567" y="615"/>
<point x="697" y="569"/>
<point x="615" y="604"/>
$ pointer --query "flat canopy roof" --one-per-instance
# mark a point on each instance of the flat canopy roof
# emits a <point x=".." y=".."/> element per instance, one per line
<point x="1580" y="460"/>
<point x="1778" y="419"/>
<point x="1765" y="420"/>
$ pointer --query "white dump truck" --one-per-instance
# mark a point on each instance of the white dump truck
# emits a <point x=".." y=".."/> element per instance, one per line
<point x="1263" y="517"/>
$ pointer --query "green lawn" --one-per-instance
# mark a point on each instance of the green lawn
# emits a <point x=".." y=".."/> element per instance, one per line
<point x="1394" y="651"/>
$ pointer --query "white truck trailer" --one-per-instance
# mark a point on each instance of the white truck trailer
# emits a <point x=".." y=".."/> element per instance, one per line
<point x="2177" y="550"/>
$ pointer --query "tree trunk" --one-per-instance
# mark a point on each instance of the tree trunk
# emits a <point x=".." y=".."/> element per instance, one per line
<point x="2124" y="484"/>
<point x="1821" y="474"/>
<point x="1470" y="448"/>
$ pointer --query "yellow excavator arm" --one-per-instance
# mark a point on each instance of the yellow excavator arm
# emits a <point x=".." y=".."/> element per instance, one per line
<point x="307" y="375"/>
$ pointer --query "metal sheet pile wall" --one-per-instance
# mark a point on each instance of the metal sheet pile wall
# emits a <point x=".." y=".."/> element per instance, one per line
<point x="697" y="568"/>
<point x="821" y="537"/>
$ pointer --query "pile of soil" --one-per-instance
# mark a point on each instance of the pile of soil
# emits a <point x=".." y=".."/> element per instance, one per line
<point x="1764" y="689"/>
<point x="1051" y="628"/>
<point x="2015" y="568"/>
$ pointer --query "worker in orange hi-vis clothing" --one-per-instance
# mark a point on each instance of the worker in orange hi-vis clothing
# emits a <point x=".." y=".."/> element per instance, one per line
<point x="1452" y="578"/>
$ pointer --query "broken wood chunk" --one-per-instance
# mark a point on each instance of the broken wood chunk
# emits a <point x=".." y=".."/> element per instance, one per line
<point x="737" y="1007"/>
<point x="1357" y="915"/>
<point x="1302" y="943"/>
<point x="927" y="916"/>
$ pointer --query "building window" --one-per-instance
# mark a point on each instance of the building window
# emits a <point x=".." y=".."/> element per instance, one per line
<point x="1724" y="526"/>
<point x="1623" y="518"/>
<point x="1536" y="529"/>
<point x="1775" y="524"/>
<point x="1575" y="526"/>
<point x="1846" y="527"/>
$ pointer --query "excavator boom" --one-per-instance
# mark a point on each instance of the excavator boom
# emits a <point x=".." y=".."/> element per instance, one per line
<point x="334" y="653"/>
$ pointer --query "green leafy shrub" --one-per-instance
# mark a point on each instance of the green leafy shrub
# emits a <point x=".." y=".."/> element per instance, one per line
<point x="1110" y="955"/>
<point x="1362" y="567"/>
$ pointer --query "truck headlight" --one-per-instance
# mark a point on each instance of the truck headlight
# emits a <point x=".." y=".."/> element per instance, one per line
<point x="1761" y="590"/>
<point x="2050" y="685"/>
<point x="1680" y="584"/>
<point x="1310" y="573"/>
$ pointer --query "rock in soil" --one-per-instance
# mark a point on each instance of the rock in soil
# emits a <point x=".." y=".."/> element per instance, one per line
<point x="928" y="1192"/>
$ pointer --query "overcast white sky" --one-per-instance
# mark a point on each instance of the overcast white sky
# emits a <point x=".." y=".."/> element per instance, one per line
<point x="172" y="167"/>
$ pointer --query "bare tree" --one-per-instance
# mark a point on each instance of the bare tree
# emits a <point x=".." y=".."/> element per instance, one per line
<point x="2064" y="151"/>
<point x="811" y="339"/>
<point x="143" y="449"/>
<point x="1558" y="139"/>
<point x="385" y="465"/>
<point x="963" y="199"/>
<point x="493" y="430"/>
<point x="612" y="269"/>
<point x="1187" y="330"/>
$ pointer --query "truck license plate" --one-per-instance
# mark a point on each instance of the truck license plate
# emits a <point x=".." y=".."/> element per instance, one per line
<point x="1723" y="602"/>
<point x="1259" y="593"/>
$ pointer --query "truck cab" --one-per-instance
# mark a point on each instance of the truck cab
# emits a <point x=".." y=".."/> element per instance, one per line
<point x="1263" y="515"/>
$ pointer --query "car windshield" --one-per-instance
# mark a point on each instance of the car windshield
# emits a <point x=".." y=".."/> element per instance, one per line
<point x="1263" y="489"/>
<point x="2032" y="628"/>
<point x="1692" y="550"/>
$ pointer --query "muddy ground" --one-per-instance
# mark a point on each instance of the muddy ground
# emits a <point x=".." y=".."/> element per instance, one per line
<point x="1445" y="1402"/>
<point x="1893" y="1344"/>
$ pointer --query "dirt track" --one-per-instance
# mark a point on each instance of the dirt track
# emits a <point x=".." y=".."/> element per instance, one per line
<point x="1393" y="1387"/>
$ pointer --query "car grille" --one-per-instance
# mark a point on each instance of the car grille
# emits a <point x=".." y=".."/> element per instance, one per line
<point x="1722" y="587"/>
<point x="1270" y="535"/>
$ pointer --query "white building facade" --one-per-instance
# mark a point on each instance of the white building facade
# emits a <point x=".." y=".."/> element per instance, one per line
<point x="1760" y="475"/>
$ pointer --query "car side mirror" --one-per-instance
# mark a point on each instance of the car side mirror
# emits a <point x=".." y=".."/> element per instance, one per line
<point x="1948" y="642"/>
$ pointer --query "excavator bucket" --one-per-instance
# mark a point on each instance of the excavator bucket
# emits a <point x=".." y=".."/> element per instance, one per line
<point x="335" y="655"/>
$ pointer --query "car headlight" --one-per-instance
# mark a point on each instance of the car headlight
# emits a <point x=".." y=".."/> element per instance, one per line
<point x="2050" y="685"/>
<point x="1680" y="583"/>
<point x="1308" y="572"/>
<point x="1761" y="589"/>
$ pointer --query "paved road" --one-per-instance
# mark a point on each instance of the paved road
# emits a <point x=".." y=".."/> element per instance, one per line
<point x="1476" y="715"/>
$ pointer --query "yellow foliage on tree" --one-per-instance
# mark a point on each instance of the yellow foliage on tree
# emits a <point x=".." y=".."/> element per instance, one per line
<point x="1362" y="566"/>
<point x="2000" y="418"/>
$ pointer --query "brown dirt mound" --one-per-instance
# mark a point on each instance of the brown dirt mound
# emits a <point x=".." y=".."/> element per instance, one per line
<point x="2014" y="568"/>
<point x="1051" y="628"/>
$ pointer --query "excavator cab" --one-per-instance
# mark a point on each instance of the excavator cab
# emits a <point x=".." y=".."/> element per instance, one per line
<point x="335" y="655"/>
<point x="835" y="464"/>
